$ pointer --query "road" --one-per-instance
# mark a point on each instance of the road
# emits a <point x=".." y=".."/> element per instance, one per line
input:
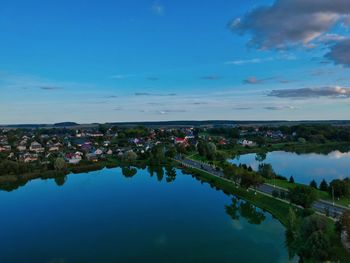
<point x="320" y="205"/>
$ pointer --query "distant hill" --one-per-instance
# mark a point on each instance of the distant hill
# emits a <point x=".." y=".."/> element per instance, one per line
<point x="65" y="124"/>
<point x="174" y="124"/>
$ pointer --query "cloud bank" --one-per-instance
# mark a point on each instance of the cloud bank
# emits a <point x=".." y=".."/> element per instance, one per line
<point x="290" y="23"/>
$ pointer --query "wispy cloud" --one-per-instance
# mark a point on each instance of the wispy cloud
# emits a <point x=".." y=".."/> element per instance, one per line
<point x="248" y="61"/>
<point x="243" y="108"/>
<point x="122" y="76"/>
<point x="157" y="8"/>
<point x="154" y="94"/>
<point x="50" y="88"/>
<point x="332" y="92"/>
<point x="211" y="77"/>
<point x="255" y="80"/>
<point x="279" y="107"/>
<point x="163" y="112"/>
<point x="152" y="78"/>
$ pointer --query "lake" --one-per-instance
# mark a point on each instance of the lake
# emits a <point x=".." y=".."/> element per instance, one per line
<point x="104" y="216"/>
<point x="303" y="167"/>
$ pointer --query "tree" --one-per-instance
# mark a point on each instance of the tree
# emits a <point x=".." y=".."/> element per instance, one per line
<point x="313" y="184"/>
<point x="170" y="152"/>
<point x="302" y="195"/>
<point x="324" y="186"/>
<point x="341" y="188"/>
<point x="291" y="180"/>
<point x="129" y="156"/>
<point x="60" y="164"/>
<point x="251" y="179"/>
<point x="266" y="170"/>
<point x="202" y="149"/>
<point x="260" y="141"/>
<point x="345" y="223"/>
<point x="103" y="128"/>
<point x="211" y="150"/>
<point x="309" y="237"/>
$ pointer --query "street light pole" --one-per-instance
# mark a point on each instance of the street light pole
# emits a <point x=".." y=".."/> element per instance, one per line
<point x="333" y="195"/>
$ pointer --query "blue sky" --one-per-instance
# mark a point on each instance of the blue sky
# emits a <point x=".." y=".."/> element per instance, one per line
<point x="140" y="60"/>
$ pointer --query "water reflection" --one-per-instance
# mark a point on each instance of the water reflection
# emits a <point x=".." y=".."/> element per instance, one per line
<point x="303" y="167"/>
<point x="240" y="208"/>
<point x="158" y="220"/>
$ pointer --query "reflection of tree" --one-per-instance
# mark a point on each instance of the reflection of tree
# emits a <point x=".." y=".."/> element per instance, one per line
<point x="129" y="171"/>
<point x="151" y="170"/>
<point x="233" y="209"/>
<point x="60" y="180"/>
<point x="251" y="213"/>
<point x="260" y="157"/>
<point x="159" y="172"/>
<point x="10" y="186"/>
<point x="246" y="210"/>
<point x="170" y="173"/>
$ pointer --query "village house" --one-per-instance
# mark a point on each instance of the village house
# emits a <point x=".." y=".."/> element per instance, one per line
<point x="245" y="142"/>
<point x="36" y="147"/>
<point x="73" y="158"/>
<point x="21" y="148"/>
<point x="5" y="148"/>
<point x="29" y="157"/>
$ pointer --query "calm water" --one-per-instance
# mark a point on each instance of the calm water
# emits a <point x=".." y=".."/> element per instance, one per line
<point x="303" y="167"/>
<point x="105" y="217"/>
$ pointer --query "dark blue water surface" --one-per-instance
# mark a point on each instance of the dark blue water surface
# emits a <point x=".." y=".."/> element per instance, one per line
<point x="103" y="216"/>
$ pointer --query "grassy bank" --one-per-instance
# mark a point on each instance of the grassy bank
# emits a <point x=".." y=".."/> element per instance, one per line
<point x="277" y="208"/>
<point x="320" y="194"/>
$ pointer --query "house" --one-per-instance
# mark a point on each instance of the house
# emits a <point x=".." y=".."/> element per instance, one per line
<point x="29" y="157"/>
<point x="36" y="147"/>
<point x="54" y="149"/>
<point x="5" y="148"/>
<point x="21" y="148"/>
<point x="73" y="158"/>
<point x="92" y="157"/>
<point x="222" y="142"/>
<point x="246" y="142"/>
<point x="109" y="152"/>
<point x="86" y="147"/>
<point x="95" y="134"/>
<point x="98" y="152"/>
<point x="180" y="140"/>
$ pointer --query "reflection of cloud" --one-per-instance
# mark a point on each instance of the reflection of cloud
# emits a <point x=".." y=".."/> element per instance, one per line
<point x="57" y="260"/>
<point x="236" y="224"/>
<point x="160" y="240"/>
<point x="339" y="155"/>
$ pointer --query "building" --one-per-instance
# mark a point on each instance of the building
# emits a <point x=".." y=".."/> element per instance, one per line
<point x="36" y="147"/>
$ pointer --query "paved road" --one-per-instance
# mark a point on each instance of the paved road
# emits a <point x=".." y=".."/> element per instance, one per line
<point x="319" y="205"/>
